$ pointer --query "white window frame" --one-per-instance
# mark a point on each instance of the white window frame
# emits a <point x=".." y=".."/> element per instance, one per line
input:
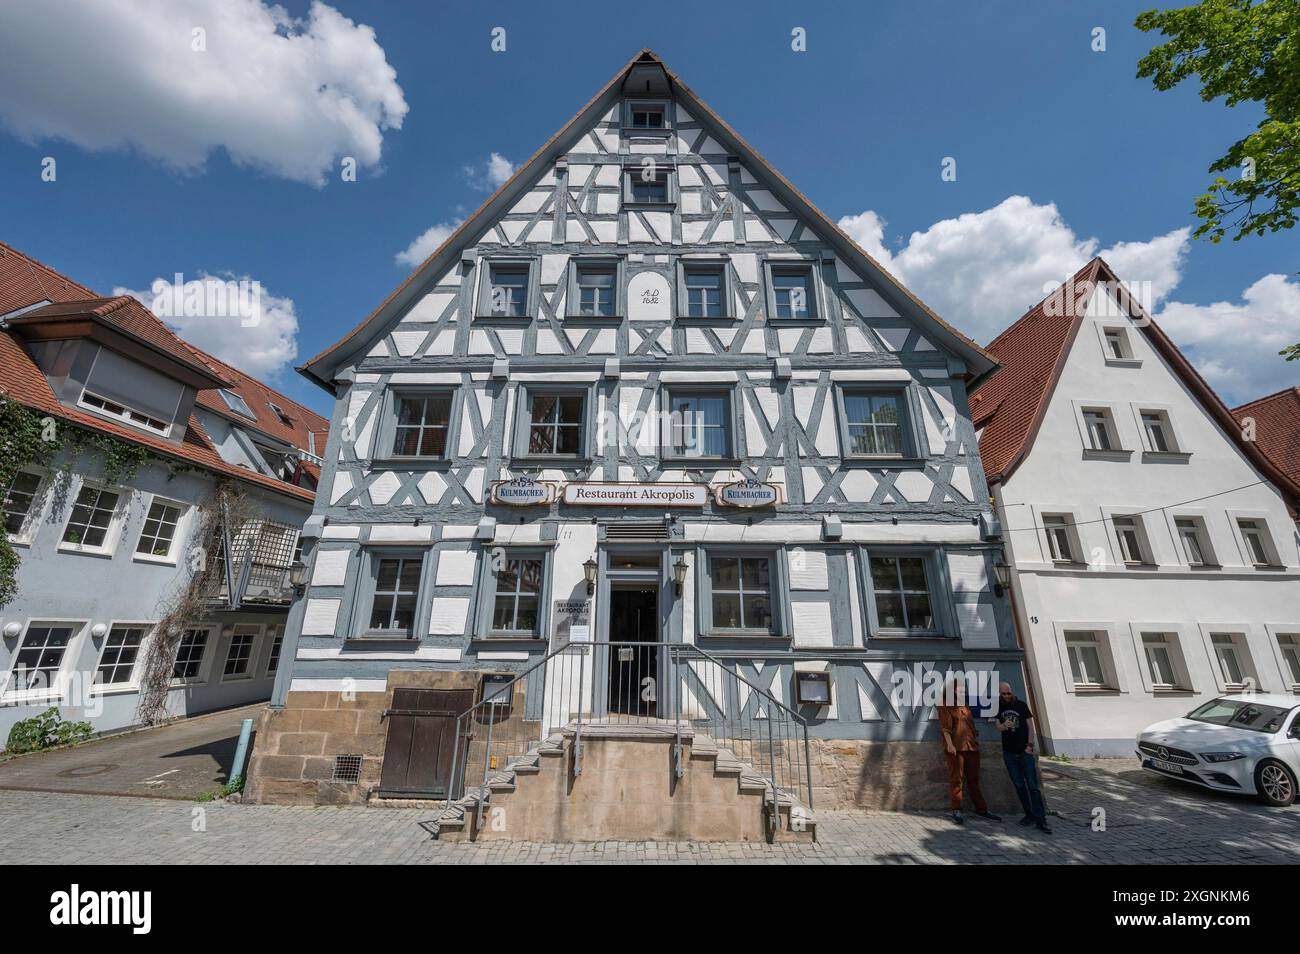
<point x="274" y="633"/>
<point x="1117" y="450"/>
<point x="1175" y="643"/>
<point x="182" y="530"/>
<point x="1268" y="539"/>
<point x="1115" y="680"/>
<point x="40" y="503"/>
<point x="1203" y="539"/>
<point x="133" y="684"/>
<point x="1276" y="633"/>
<point x="205" y="660"/>
<point x="112" y="532"/>
<point x="1070" y="528"/>
<point x="816" y="307"/>
<point x="59" y="684"/>
<point x="1129" y="360"/>
<point x="1240" y="633"/>
<point x="1146" y="555"/>
<point x="253" y="652"/>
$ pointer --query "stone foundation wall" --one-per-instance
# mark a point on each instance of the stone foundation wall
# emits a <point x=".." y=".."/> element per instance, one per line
<point x="899" y="776"/>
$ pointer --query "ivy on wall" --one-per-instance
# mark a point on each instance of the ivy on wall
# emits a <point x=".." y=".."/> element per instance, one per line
<point x="28" y="438"/>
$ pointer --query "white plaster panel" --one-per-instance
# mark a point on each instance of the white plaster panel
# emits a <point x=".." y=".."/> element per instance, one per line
<point x="808" y="570"/>
<point x="447" y="616"/>
<point x="812" y="624"/>
<point x="384" y="486"/>
<point x="331" y="568"/>
<point x="319" y="617"/>
<point x="456" y="567"/>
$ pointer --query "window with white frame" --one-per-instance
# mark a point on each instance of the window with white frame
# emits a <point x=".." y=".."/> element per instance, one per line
<point x="1100" y="429"/>
<point x="507" y="290"/>
<point x="21" y="498"/>
<point x="1129" y="537"/>
<point x="516" y="602"/>
<point x="1193" y="540"/>
<point x="91" y="522"/>
<point x="556" y="423"/>
<point x="793" y="292"/>
<point x="1117" y="345"/>
<point x="647" y="116"/>
<point x="1257" y="542"/>
<point x="189" y="654"/>
<point x="236" y="403"/>
<point x="901" y="588"/>
<point x="740" y="593"/>
<point x="596" y="290"/>
<point x="422" y="424"/>
<point x="397" y="591"/>
<point x="1159" y="649"/>
<point x="1231" y="659"/>
<point x="39" y="658"/>
<point x="648" y="183"/>
<point x="273" y="663"/>
<point x="700" y="424"/>
<point x="239" y="657"/>
<point x="1289" y="644"/>
<point x="876" y="422"/>
<point x="158" y="535"/>
<point x="117" y="661"/>
<point x="1086" y="652"/>
<point x="1157" y="432"/>
<point x="1060" y="545"/>
<point x="704" y="289"/>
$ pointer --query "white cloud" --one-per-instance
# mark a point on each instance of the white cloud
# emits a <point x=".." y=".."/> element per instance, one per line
<point x="424" y="244"/>
<point x="287" y="96"/>
<point x="229" y="316"/>
<point x="1235" y="345"/>
<point x="983" y="270"/>
<point x="490" y="176"/>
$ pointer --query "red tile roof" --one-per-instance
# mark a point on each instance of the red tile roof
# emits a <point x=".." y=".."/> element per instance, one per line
<point x="1010" y="405"/>
<point x="25" y="281"/>
<point x="1277" y="428"/>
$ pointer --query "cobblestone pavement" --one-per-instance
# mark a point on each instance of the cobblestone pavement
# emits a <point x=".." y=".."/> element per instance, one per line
<point x="1147" y="820"/>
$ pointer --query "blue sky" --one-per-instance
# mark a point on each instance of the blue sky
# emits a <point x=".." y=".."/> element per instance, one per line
<point x="861" y="121"/>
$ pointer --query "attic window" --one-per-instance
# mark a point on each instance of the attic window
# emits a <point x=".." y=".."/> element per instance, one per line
<point x="645" y="117"/>
<point x="237" y="404"/>
<point x="279" y="412"/>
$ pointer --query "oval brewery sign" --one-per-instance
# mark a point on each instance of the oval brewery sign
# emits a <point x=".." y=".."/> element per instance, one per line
<point x="522" y="492"/>
<point x="747" y="493"/>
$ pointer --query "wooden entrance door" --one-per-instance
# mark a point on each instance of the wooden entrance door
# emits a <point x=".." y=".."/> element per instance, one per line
<point x="421" y="742"/>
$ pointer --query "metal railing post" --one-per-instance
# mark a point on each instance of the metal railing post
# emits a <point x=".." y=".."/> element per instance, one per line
<point x="577" y="731"/>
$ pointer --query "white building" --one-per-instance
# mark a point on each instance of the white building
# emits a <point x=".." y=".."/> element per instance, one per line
<point x="1154" y="547"/>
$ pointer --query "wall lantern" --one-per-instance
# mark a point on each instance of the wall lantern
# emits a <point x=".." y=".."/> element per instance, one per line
<point x="13" y="629"/>
<point x="812" y="688"/>
<point x="99" y="631"/>
<point x="1001" y="575"/>
<point x="298" y="575"/>
<point x="679" y="573"/>
<point x="589" y="573"/>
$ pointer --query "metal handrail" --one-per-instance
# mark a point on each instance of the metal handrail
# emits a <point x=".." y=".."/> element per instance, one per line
<point x="783" y="727"/>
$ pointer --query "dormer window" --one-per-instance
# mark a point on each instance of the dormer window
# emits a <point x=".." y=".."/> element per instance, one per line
<point x="237" y="404"/>
<point x="284" y="418"/>
<point x="125" y="390"/>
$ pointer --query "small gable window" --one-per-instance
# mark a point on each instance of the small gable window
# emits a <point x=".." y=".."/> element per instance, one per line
<point x="507" y="289"/>
<point x="792" y="290"/>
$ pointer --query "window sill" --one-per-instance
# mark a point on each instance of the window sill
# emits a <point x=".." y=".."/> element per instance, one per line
<point x="925" y="635"/>
<point x="744" y="634"/>
<point x="638" y="132"/>
<point x="882" y="463"/>
<point x="1172" y="691"/>
<point x="1144" y="565"/>
<point x="597" y="320"/>
<point x="245" y="677"/>
<point x="410" y="463"/>
<point x="155" y="560"/>
<point x="381" y="638"/>
<point x="113" y="690"/>
<point x="542" y="461"/>
<point x="498" y="639"/>
<point x="701" y="463"/>
<point x="1092" y="453"/>
<point x="1124" y="362"/>
<point x="505" y="319"/>
<point x="1267" y="567"/>
<point x="104" y="554"/>
<point x="812" y="320"/>
<point x="1095" y="691"/>
<point x="705" y="319"/>
<point x="1172" y="457"/>
<point x="650" y="206"/>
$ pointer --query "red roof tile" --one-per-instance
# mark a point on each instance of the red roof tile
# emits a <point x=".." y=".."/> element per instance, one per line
<point x="1277" y="428"/>
<point x="25" y="281"/>
<point x="1010" y="405"/>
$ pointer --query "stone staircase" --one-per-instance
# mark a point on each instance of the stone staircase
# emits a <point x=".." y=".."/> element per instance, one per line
<point x="627" y="789"/>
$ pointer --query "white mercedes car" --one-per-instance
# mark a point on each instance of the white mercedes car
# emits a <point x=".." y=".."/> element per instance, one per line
<point x="1245" y="744"/>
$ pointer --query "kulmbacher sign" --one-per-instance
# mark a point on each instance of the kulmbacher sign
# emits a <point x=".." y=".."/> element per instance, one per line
<point x="636" y="495"/>
<point x="522" y="492"/>
<point x="747" y="493"/>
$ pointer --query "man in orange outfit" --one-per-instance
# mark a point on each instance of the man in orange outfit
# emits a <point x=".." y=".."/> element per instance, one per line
<point x="961" y="748"/>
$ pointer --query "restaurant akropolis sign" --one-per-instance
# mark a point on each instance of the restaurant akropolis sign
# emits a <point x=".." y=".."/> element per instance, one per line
<point x="526" y="492"/>
<point x="636" y="495"/>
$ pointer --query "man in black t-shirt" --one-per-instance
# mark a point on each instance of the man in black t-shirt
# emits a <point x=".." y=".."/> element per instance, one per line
<point x="1018" y="755"/>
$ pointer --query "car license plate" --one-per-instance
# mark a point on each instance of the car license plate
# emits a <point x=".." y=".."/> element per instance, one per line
<point x="1167" y="766"/>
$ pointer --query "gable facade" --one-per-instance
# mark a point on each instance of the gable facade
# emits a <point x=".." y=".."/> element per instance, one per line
<point x="651" y="320"/>
<point x="1155" y="562"/>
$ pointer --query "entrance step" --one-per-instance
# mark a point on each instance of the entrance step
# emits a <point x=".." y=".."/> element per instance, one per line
<point x="629" y="789"/>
